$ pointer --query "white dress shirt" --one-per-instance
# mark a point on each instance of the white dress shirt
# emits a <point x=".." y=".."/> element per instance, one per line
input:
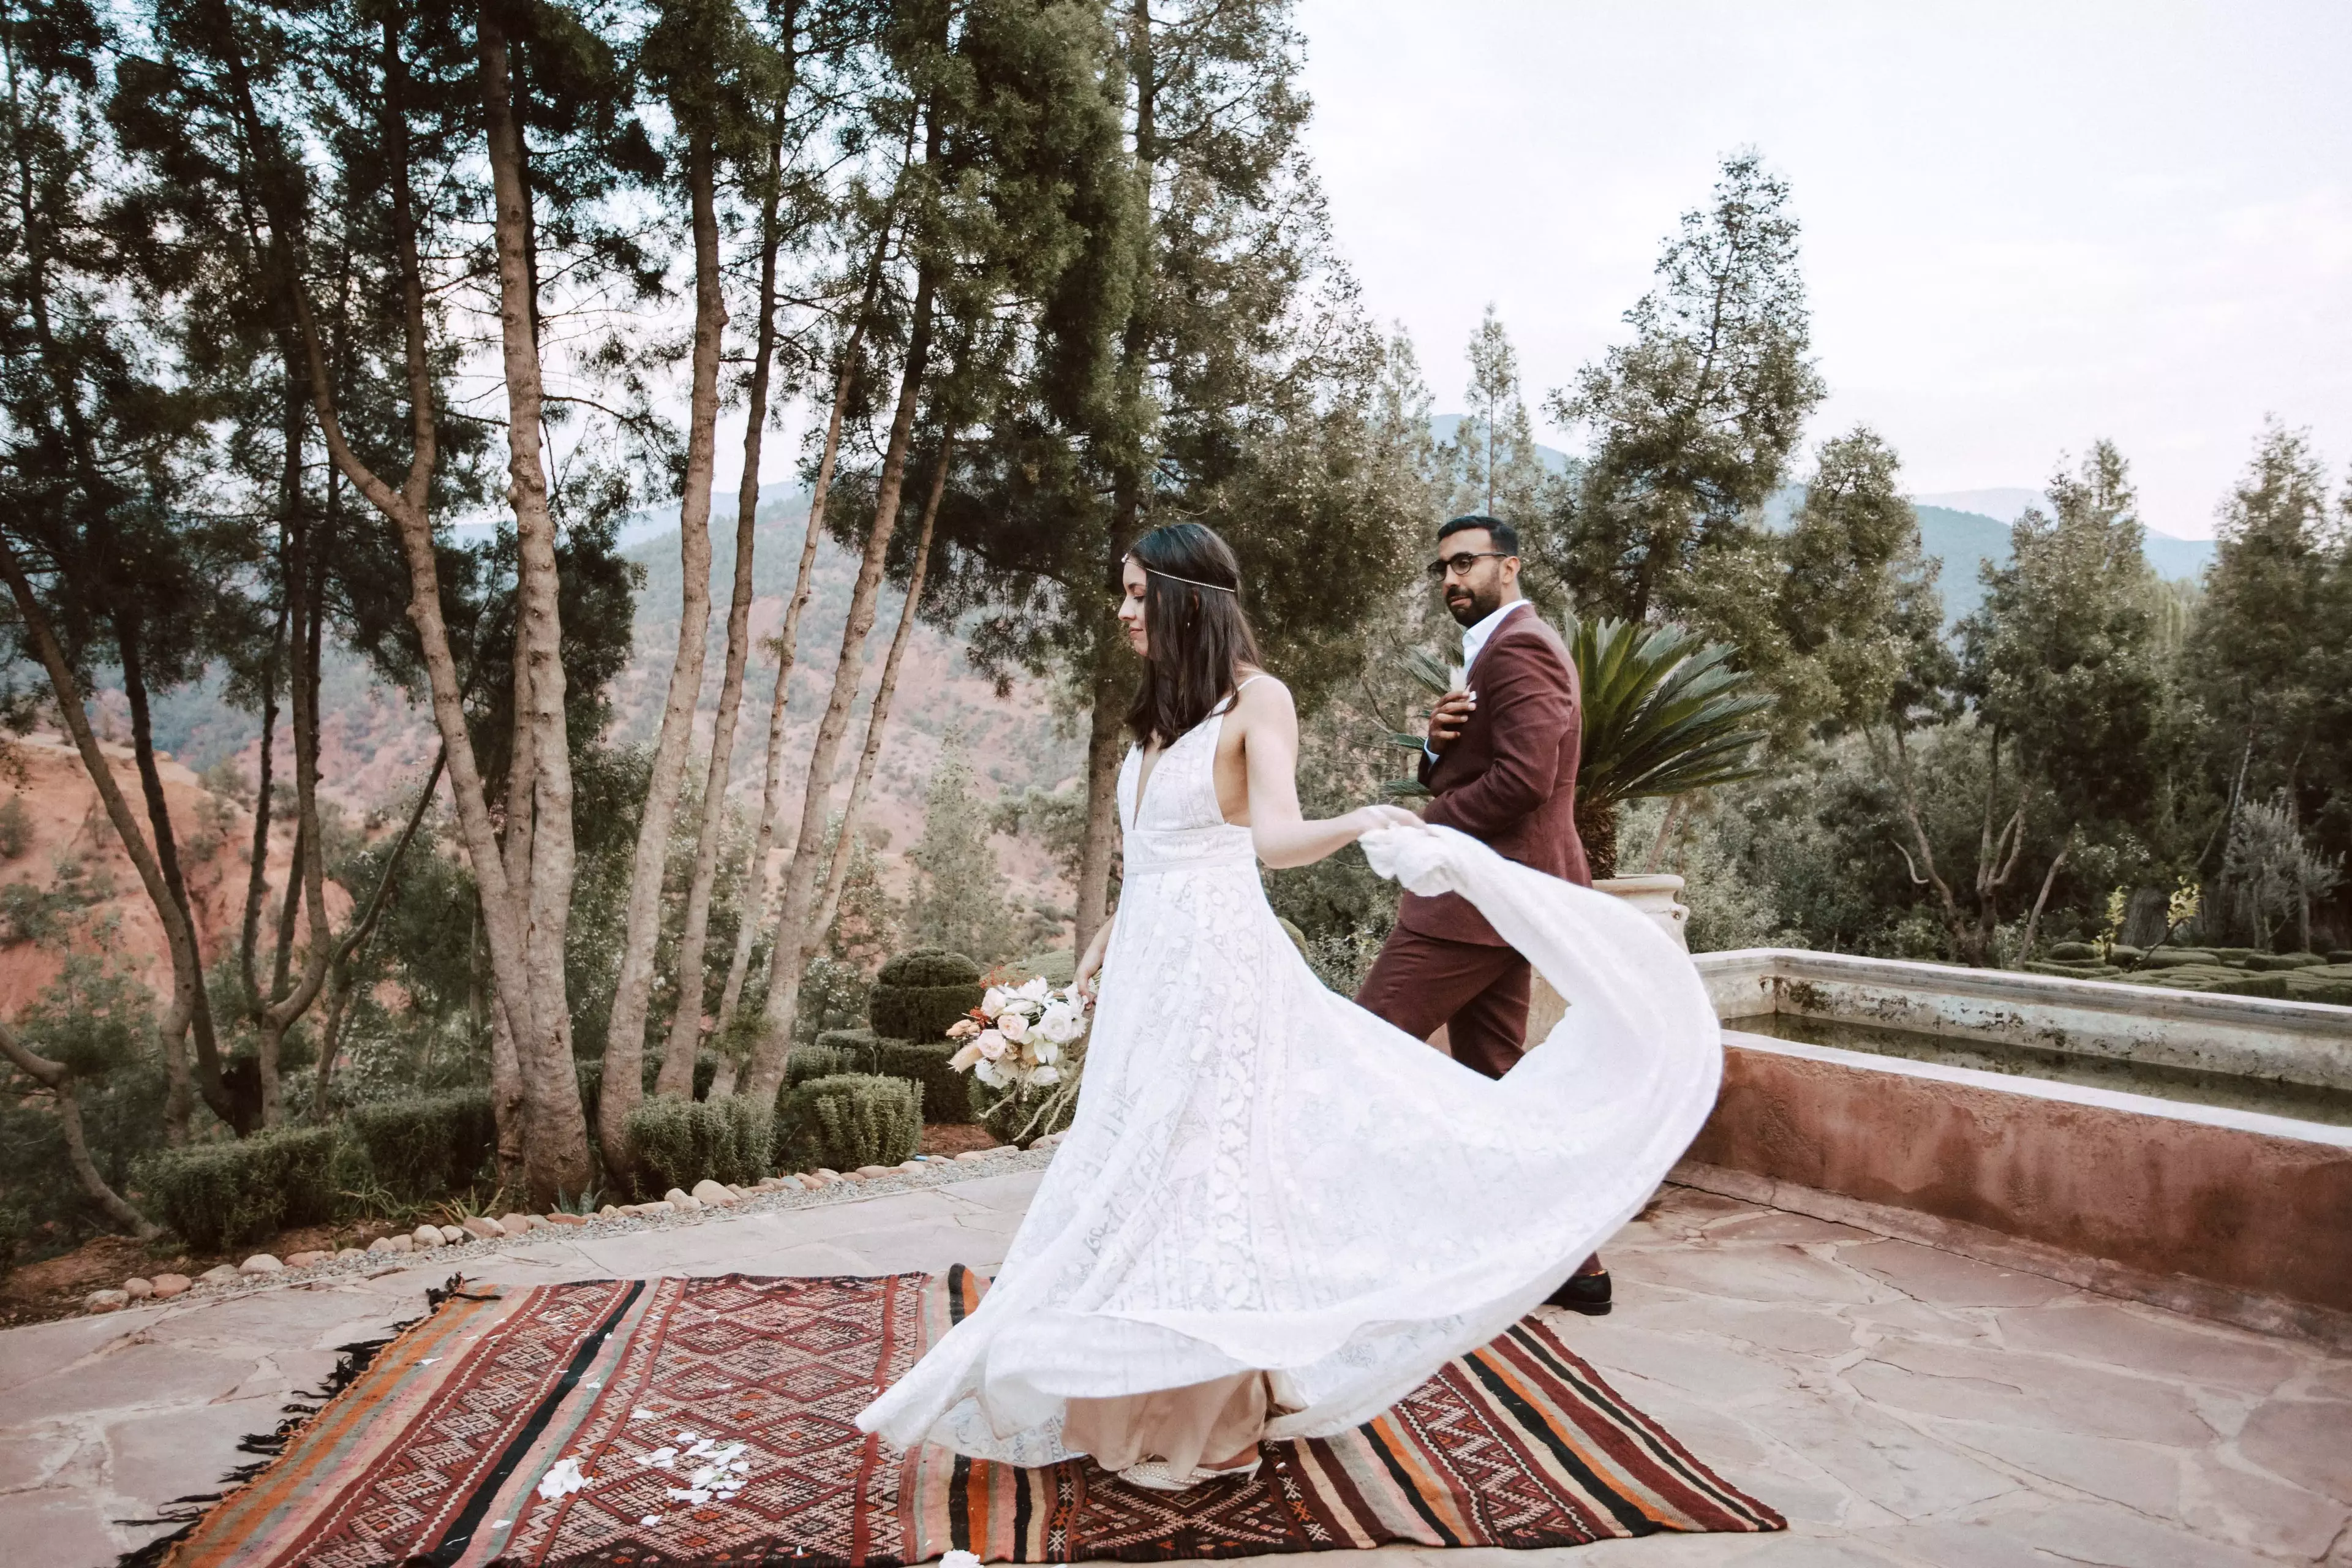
<point x="1475" y="639"/>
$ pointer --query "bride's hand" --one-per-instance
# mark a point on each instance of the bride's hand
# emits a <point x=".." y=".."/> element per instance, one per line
<point x="1370" y="818"/>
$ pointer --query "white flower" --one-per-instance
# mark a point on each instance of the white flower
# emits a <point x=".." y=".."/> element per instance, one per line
<point x="1046" y="1050"/>
<point x="992" y="1043"/>
<point x="1061" y="1024"/>
<point x="989" y="1073"/>
<point x="1013" y="1027"/>
<point x="1046" y="1075"/>
<point x="562" y="1479"/>
<point x="994" y="1003"/>
<point x="1033" y="990"/>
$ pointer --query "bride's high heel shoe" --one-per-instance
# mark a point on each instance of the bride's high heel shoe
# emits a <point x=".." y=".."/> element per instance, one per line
<point x="1156" y="1475"/>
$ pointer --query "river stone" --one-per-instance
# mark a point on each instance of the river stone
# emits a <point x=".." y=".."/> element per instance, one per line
<point x="349" y="1252"/>
<point x="483" y="1226"/>
<point x="393" y="1244"/>
<point x="138" y="1290"/>
<point x="515" y="1223"/>
<point x="167" y="1286"/>
<point x="707" y="1191"/>
<point x="261" y="1263"/>
<point x="105" y="1301"/>
<point x="221" y="1274"/>
<point x="305" y="1259"/>
<point x="426" y="1235"/>
<point x="452" y="1234"/>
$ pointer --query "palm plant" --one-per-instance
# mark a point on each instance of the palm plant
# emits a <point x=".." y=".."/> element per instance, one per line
<point x="1663" y="714"/>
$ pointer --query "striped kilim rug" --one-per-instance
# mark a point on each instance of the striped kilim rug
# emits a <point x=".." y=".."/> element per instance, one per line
<point x="711" y="1421"/>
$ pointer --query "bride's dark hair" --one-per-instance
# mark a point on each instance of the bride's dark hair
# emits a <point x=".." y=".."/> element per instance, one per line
<point x="1193" y="623"/>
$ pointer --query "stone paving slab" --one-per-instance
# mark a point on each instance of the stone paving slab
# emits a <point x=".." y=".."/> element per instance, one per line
<point x="1901" y="1406"/>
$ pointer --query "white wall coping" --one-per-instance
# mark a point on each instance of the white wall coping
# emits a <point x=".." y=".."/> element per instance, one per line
<point x="2053" y="1090"/>
<point x="2017" y="986"/>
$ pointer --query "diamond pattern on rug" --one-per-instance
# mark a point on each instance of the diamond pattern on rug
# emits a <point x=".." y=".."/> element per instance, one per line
<point x="677" y="1422"/>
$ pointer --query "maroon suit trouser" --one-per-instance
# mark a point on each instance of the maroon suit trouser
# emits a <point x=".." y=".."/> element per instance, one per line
<point x="1479" y="993"/>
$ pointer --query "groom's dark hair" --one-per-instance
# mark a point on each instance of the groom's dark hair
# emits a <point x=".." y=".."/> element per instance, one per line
<point x="1194" y="626"/>
<point x="1506" y="537"/>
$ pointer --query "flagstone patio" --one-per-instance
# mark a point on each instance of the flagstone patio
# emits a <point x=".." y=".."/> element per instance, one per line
<point x="1899" y="1404"/>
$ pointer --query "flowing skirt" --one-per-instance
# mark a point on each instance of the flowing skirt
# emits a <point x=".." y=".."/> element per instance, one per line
<point x="1263" y="1177"/>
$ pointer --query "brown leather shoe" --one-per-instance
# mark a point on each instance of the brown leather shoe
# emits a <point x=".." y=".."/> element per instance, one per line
<point x="1585" y="1293"/>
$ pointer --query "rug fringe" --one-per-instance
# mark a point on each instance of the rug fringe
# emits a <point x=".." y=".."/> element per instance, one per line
<point x="351" y="1361"/>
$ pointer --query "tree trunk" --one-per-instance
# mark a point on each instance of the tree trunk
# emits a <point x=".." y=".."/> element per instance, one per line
<point x="2042" y="898"/>
<point x="502" y="905"/>
<point x="555" y="1144"/>
<point x="347" y="951"/>
<point x="792" y="936"/>
<point x="55" y="1077"/>
<point x="1106" y="733"/>
<point x="210" y="1081"/>
<point x="878" y="715"/>
<point x="787" y="639"/>
<point x="306" y="874"/>
<point x="625" y="1047"/>
<point x="186" y="967"/>
<point x="1106" y="745"/>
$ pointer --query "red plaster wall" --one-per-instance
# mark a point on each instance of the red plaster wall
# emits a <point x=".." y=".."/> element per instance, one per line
<point x="2272" y="1215"/>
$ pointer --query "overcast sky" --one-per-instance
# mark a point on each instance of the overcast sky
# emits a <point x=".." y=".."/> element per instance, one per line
<point x="2025" y="226"/>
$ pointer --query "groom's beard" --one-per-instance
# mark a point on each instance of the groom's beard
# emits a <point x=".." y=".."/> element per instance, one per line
<point x="1468" y="606"/>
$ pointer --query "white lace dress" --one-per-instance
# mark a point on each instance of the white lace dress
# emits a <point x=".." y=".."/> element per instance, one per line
<point x="1263" y="1175"/>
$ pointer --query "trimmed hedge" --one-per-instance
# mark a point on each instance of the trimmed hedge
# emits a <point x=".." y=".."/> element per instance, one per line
<point x="427" y="1149"/>
<point x="677" y="1143"/>
<point x="857" y="1047"/>
<point x="947" y="1093"/>
<point x="858" y="1118"/>
<point x="918" y="994"/>
<point x="221" y="1194"/>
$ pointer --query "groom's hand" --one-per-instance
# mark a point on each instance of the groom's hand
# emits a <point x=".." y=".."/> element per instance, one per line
<point x="1448" y="718"/>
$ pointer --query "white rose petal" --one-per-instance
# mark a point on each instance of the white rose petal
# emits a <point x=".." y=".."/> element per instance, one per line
<point x="1046" y="1075"/>
<point x="1013" y="1027"/>
<point x="994" y="1003"/>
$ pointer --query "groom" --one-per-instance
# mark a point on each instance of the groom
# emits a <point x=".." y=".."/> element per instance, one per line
<point x="1500" y="764"/>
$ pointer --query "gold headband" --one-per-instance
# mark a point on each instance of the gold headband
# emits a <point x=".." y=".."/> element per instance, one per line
<point x="1172" y="577"/>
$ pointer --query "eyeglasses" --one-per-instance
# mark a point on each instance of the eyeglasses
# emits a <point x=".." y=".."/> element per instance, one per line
<point x="1459" y="565"/>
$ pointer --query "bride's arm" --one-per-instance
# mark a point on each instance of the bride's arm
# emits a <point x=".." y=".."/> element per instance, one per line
<point x="1270" y="752"/>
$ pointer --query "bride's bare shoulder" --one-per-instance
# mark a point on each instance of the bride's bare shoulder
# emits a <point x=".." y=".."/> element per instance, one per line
<point x="1262" y="693"/>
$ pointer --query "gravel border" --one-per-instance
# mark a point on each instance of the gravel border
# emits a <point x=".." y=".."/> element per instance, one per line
<point x="938" y="1171"/>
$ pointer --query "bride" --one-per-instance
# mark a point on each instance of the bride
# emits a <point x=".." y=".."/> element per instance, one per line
<point x="1275" y="1214"/>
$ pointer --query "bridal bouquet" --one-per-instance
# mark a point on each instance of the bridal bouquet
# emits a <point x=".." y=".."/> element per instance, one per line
<point x="1018" y="1037"/>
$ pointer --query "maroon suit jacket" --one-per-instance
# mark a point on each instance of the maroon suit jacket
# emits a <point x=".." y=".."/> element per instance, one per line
<point x="1509" y="778"/>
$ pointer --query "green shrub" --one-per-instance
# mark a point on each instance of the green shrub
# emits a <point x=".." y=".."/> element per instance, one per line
<point x="429" y="1148"/>
<point x="2340" y="955"/>
<point x="2318" y="985"/>
<point x="2074" y="952"/>
<point x="2092" y="971"/>
<point x="2175" y="957"/>
<point x="947" y="1093"/>
<point x="918" y="994"/>
<point x="857" y="1047"/>
<point x="2121" y="954"/>
<point x="2277" y="961"/>
<point x="825" y="1059"/>
<point x="678" y="1142"/>
<point x="223" y="1195"/>
<point x="858" y="1118"/>
<point x="2270" y="985"/>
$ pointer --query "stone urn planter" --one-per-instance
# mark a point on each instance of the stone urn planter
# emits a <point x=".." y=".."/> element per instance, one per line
<point x="1654" y="895"/>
